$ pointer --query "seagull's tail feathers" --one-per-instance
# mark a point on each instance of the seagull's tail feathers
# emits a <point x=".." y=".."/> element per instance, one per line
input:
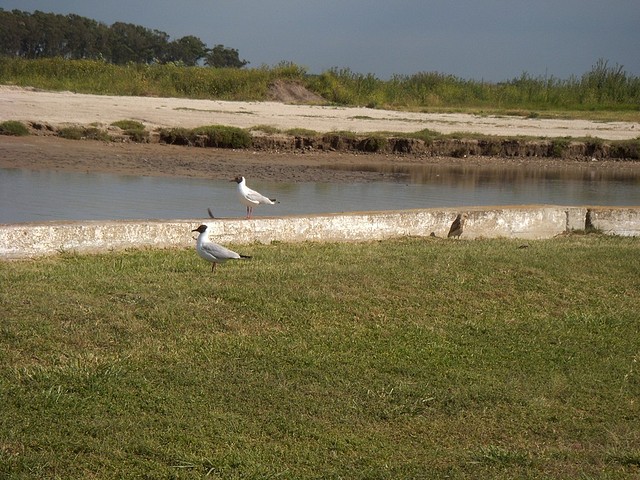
<point x="245" y="256"/>
<point x="274" y="200"/>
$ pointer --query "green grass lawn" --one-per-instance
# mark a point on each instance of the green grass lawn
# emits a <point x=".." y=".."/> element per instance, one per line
<point x="412" y="358"/>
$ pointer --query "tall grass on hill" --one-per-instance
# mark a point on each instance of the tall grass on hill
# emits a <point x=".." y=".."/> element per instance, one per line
<point x="409" y="358"/>
<point x="167" y="80"/>
<point x="604" y="88"/>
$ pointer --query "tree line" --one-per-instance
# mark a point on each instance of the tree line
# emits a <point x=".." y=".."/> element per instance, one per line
<point x="44" y="35"/>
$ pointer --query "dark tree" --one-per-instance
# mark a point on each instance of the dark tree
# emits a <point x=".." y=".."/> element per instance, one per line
<point x="137" y="44"/>
<point x="11" y="32"/>
<point x="39" y="35"/>
<point x="220" y="56"/>
<point x="86" y="38"/>
<point x="188" y="50"/>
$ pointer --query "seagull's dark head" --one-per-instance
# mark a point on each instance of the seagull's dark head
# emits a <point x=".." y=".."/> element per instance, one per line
<point x="238" y="179"/>
<point x="200" y="229"/>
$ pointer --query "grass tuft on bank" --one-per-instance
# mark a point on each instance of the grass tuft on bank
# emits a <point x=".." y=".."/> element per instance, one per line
<point x="13" y="128"/>
<point x="396" y="359"/>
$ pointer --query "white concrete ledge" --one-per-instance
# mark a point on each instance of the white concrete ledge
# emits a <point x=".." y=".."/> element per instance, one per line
<point x="527" y="222"/>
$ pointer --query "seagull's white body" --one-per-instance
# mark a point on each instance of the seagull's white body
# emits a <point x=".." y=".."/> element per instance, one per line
<point x="212" y="252"/>
<point x="250" y="198"/>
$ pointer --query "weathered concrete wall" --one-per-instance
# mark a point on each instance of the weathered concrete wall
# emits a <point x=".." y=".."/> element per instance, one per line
<point x="526" y="222"/>
<point x="616" y="221"/>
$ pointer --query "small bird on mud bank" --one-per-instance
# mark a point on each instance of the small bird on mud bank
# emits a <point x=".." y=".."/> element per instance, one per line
<point x="212" y="252"/>
<point x="457" y="225"/>
<point x="249" y="197"/>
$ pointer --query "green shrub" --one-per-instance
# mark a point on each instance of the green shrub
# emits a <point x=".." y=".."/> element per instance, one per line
<point x="629" y="149"/>
<point x="133" y="129"/>
<point x="340" y="140"/>
<point x="83" y="133"/>
<point x="216" y="136"/>
<point x="71" y="133"/>
<point x="13" y="128"/>
<point x="139" y="136"/>
<point x="372" y="144"/>
<point x="219" y="136"/>
<point x="175" y="136"/>
<point x="302" y="132"/>
<point x="128" y="125"/>
<point x="426" y="135"/>
<point x="559" y="146"/>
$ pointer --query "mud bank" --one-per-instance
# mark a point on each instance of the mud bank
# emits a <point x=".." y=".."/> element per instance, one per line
<point x="347" y="142"/>
<point x="560" y="148"/>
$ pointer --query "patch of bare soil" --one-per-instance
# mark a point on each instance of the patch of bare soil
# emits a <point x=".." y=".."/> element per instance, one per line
<point x="292" y="92"/>
<point x="154" y="159"/>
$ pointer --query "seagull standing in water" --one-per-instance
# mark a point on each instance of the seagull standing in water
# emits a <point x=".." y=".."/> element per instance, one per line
<point x="212" y="252"/>
<point x="457" y="225"/>
<point x="249" y="197"/>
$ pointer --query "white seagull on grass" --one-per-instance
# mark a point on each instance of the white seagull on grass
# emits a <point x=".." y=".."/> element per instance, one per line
<point x="249" y="197"/>
<point x="212" y="252"/>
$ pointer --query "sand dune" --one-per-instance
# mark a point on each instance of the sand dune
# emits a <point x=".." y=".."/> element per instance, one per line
<point x="63" y="108"/>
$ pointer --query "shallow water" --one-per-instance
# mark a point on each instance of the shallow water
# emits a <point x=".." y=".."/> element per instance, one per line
<point x="31" y="196"/>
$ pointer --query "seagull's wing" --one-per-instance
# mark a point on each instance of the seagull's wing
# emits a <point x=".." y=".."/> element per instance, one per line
<point x="257" y="197"/>
<point x="219" y="252"/>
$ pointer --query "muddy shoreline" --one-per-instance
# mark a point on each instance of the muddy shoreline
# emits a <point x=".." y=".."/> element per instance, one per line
<point x="153" y="159"/>
<point x="326" y="158"/>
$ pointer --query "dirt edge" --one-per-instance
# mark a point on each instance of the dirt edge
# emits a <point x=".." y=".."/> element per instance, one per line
<point x="561" y="148"/>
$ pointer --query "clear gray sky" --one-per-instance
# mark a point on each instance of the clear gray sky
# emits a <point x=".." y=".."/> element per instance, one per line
<point x="492" y="40"/>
